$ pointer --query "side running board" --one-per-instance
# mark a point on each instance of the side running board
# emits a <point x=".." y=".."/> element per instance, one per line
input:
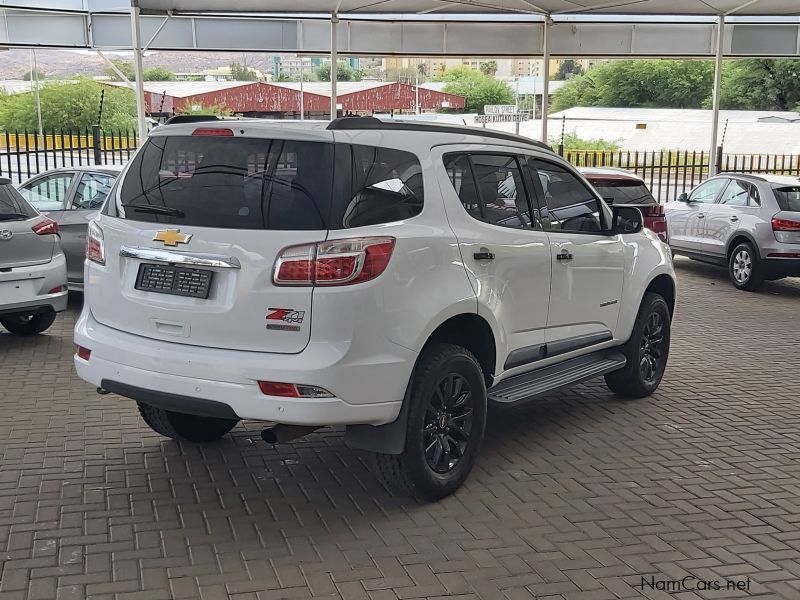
<point x="528" y="386"/>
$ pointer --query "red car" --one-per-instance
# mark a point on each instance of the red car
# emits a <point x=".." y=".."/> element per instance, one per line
<point x="623" y="188"/>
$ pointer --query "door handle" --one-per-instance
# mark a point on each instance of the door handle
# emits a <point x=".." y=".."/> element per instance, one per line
<point x="564" y="255"/>
<point x="734" y="218"/>
<point x="483" y="255"/>
<point x="701" y="216"/>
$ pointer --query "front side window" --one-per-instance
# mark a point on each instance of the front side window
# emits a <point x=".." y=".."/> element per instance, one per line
<point x="706" y="193"/>
<point x="571" y="206"/>
<point x="385" y="186"/>
<point x="49" y="192"/>
<point x="229" y="182"/>
<point x="490" y="188"/>
<point x="736" y="194"/>
<point x="92" y="191"/>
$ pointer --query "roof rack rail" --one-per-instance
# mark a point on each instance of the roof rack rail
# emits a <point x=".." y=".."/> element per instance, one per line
<point x="201" y="119"/>
<point x="745" y="176"/>
<point x="351" y="123"/>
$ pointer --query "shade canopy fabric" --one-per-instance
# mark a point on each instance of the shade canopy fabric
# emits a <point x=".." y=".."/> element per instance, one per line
<point x="510" y="7"/>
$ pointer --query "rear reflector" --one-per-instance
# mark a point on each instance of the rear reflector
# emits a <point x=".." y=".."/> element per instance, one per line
<point x="785" y="225"/>
<point x="213" y="132"/>
<point x="291" y="390"/>
<point x="783" y="255"/>
<point x="84" y="353"/>
<point x="56" y="290"/>
<point x="46" y="227"/>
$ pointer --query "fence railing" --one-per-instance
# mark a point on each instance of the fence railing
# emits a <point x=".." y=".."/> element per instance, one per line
<point x="24" y="154"/>
<point x="668" y="173"/>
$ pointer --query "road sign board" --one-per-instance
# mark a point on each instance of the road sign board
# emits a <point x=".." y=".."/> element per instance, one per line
<point x="500" y="109"/>
<point x="503" y="118"/>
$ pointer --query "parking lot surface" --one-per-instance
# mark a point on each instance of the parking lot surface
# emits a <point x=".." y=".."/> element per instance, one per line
<point x="578" y="496"/>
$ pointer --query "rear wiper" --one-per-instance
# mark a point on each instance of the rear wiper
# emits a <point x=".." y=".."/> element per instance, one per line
<point x="156" y="210"/>
<point x="14" y="216"/>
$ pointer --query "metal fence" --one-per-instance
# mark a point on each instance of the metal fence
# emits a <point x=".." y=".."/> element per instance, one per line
<point x="668" y="173"/>
<point x="24" y="154"/>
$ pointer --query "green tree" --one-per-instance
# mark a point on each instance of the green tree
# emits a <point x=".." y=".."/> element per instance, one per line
<point x="568" y="69"/>
<point x="344" y="72"/>
<point x="241" y="72"/>
<point x="70" y="106"/>
<point x="760" y="84"/>
<point x="197" y="107"/>
<point x="639" y="83"/>
<point x="489" y="68"/>
<point x="158" y="74"/>
<point x="125" y="66"/>
<point x="478" y="89"/>
<point x="573" y="142"/>
<point x="29" y="75"/>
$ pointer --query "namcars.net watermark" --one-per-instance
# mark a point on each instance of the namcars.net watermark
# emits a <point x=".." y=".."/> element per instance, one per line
<point x="690" y="583"/>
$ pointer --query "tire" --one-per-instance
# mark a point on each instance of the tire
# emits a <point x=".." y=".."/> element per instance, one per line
<point x="22" y="324"/>
<point x="647" y="351"/>
<point x="745" y="268"/>
<point x="180" y="426"/>
<point x="446" y="377"/>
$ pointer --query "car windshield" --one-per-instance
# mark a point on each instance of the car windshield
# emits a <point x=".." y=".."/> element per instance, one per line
<point x="624" y="192"/>
<point x="12" y="206"/>
<point x="788" y="198"/>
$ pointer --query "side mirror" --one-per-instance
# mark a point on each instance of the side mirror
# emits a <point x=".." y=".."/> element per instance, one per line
<point x="627" y="219"/>
<point x="684" y="197"/>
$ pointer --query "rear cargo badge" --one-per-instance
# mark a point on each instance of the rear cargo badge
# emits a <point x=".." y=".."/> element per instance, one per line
<point x="286" y="316"/>
<point x="172" y="237"/>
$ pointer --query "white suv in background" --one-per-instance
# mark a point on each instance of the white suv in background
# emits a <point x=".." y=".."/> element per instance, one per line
<point x="391" y="277"/>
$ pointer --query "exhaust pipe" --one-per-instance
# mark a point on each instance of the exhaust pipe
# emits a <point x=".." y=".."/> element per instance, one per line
<point x="280" y="434"/>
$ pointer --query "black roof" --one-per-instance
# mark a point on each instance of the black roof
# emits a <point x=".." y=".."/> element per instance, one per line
<point x="366" y="123"/>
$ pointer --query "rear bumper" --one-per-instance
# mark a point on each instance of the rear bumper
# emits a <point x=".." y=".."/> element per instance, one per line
<point x="38" y="280"/>
<point x="782" y="267"/>
<point x="367" y="390"/>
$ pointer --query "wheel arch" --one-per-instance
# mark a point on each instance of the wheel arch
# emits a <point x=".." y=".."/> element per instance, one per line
<point x="738" y="238"/>
<point x="468" y="330"/>
<point x="664" y="286"/>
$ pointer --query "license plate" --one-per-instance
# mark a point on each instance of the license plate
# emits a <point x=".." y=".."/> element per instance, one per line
<point x="176" y="281"/>
<point x="17" y="291"/>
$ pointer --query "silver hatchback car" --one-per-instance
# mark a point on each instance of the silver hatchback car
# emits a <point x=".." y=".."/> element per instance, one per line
<point x="33" y="273"/>
<point x="749" y="223"/>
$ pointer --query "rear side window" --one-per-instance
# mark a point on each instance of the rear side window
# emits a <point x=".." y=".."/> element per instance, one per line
<point x="231" y="183"/>
<point x="623" y="192"/>
<point x="13" y="206"/>
<point x="385" y="185"/>
<point x="788" y="198"/>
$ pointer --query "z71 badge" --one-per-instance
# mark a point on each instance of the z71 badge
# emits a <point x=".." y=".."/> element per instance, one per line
<point x="286" y="316"/>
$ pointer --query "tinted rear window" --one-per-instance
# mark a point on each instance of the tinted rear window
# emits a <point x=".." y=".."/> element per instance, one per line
<point x="788" y="198"/>
<point x="13" y="206"/>
<point x="232" y="183"/>
<point x="624" y="193"/>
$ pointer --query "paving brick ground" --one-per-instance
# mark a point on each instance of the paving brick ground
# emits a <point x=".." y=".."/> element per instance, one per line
<point x="577" y="497"/>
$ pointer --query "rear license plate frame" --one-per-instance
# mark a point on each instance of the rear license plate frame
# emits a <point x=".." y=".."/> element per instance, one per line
<point x="172" y="280"/>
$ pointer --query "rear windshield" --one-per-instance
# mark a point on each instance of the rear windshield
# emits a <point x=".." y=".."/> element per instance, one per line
<point x="256" y="183"/>
<point x="624" y="193"/>
<point x="13" y="206"/>
<point x="788" y="198"/>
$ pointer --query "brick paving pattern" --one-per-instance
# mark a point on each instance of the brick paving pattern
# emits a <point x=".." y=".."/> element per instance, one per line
<point x="577" y="497"/>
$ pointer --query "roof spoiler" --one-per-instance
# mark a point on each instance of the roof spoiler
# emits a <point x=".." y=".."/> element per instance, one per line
<point x="201" y="119"/>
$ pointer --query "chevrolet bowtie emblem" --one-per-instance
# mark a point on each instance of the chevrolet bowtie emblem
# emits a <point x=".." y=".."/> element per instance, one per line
<point x="172" y="237"/>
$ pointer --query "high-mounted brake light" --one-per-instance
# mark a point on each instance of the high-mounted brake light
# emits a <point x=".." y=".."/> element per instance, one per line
<point x="95" y="249"/>
<point x="334" y="262"/>
<point x="46" y="227"/>
<point x="785" y="225"/>
<point x="213" y="131"/>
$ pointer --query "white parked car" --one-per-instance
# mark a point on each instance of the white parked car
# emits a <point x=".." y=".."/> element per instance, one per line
<point x="391" y="277"/>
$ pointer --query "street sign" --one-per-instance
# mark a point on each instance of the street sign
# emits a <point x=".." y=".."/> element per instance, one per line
<point x="503" y="118"/>
<point x="500" y="109"/>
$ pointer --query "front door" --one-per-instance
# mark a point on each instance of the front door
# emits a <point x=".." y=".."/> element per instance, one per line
<point x="686" y="220"/>
<point x="505" y="251"/>
<point x="588" y="265"/>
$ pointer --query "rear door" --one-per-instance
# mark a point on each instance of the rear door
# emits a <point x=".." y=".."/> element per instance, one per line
<point x="686" y="220"/>
<point x="20" y="246"/>
<point x="87" y="197"/>
<point x="48" y="193"/>
<point x="737" y="203"/>
<point x="192" y="236"/>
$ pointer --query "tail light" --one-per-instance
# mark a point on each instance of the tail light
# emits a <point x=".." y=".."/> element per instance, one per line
<point x="84" y="353"/>
<point x="656" y="221"/>
<point x="46" y="227"/>
<point x="292" y="390"/>
<point x="334" y="262"/>
<point x="95" y="249"/>
<point x="656" y="210"/>
<point x="785" y="225"/>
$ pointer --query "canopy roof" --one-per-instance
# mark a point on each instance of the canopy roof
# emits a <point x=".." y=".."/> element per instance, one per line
<point x="553" y="7"/>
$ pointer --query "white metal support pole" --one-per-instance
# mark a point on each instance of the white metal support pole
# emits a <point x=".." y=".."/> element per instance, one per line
<point x="35" y="79"/>
<point x="712" y="155"/>
<point x="302" y="99"/>
<point x="136" y="39"/>
<point x="416" y="88"/>
<point x="334" y="64"/>
<point x="545" y="77"/>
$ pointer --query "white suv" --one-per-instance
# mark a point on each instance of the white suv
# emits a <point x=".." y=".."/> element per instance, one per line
<point x="392" y="277"/>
